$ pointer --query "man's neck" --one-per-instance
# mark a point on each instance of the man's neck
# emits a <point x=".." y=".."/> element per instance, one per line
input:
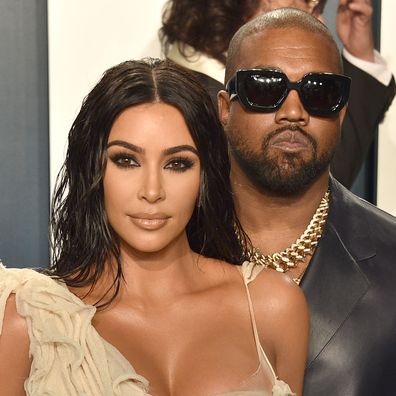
<point x="273" y="222"/>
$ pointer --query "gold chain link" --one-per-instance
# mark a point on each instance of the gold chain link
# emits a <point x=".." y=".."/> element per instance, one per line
<point x="305" y="245"/>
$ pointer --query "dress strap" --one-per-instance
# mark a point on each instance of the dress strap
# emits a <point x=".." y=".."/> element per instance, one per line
<point x="250" y="270"/>
<point x="249" y="273"/>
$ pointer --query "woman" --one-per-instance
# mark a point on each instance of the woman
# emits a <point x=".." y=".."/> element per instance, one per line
<point x="139" y="301"/>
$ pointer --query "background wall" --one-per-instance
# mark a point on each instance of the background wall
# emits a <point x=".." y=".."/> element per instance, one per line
<point x="24" y="187"/>
<point x="386" y="188"/>
<point x="86" y="38"/>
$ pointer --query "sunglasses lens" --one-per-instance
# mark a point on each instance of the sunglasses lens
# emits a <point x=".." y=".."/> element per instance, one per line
<point x="264" y="91"/>
<point x="322" y="94"/>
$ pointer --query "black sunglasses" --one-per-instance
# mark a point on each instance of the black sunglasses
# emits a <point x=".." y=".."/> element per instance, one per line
<point x="264" y="90"/>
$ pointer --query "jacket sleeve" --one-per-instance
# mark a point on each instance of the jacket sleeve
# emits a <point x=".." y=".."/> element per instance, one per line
<point x="369" y="100"/>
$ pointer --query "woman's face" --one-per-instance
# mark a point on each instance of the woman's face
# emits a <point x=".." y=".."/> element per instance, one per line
<point x="152" y="177"/>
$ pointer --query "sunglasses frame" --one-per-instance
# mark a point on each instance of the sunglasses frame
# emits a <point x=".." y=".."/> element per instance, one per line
<point x="235" y="89"/>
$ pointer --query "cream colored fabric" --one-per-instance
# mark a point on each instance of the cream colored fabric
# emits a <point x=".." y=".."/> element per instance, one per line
<point x="69" y="358"/>
<point x="197" y="61"/>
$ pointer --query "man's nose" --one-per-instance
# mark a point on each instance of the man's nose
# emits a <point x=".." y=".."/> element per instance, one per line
<point x="292" y="110"/>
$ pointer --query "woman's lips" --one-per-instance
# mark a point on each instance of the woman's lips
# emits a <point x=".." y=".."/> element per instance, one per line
<point x="149" y="221"/>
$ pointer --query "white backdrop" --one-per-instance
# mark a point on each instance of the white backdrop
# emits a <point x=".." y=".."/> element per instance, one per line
<point x="87" y="37"/>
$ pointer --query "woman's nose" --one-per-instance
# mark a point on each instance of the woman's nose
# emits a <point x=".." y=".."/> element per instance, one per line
<point x="151" y="188"/>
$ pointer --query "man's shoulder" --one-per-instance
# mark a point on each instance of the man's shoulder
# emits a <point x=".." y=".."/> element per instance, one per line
<point x="371" y="211"/>
<point x="350" y="210"/>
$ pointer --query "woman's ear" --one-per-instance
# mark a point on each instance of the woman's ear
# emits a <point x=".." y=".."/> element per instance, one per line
<point x="223" y="102"/>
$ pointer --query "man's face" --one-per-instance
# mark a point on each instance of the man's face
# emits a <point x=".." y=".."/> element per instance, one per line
<point x="286" y="150"/>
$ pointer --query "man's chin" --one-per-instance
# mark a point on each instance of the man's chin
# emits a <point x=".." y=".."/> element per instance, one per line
<point x="283" y="187"/>
<point x="286" y="180"/>
<point x="281" y="173"/>
<point x="294" y="161"/>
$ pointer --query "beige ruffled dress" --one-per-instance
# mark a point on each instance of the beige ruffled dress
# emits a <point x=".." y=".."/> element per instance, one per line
<point x="70" y="358"/>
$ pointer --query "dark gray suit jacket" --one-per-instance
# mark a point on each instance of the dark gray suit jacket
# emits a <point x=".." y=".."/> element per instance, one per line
<point x="350" y="287"/>
<point x="368" y="102"/>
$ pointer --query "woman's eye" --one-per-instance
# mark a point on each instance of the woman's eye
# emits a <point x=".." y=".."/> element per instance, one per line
<point x="179" y="164"/>
<point x="124" y="161"/>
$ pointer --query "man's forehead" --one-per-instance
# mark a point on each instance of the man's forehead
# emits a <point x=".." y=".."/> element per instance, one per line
<point x="281" y="37"/>
<point x="277" y="48"/>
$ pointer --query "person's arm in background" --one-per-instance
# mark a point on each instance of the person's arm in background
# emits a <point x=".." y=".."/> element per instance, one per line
<point x="372" y="91"/>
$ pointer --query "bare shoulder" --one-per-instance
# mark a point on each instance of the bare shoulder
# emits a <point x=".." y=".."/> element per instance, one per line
<point x="14" y="350"/>
<point x="13" y="323"/>
<point x="283" y="324"/>
<point x="275" y="286"/>
<point x="277" y="290"/>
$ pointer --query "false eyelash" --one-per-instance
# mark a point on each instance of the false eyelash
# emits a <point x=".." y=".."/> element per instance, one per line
<point x="186" y="162"/>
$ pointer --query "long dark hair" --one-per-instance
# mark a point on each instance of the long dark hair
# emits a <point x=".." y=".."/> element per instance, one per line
<point x="205" y="25"/>
<point x="83" y="240"/>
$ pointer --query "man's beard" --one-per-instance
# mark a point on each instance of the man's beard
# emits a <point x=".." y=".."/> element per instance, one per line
<point x="283" y="173"/>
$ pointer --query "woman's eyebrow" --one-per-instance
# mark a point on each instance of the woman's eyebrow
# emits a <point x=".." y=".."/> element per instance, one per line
<point x="140" y="150"/>
<point x="126" y="145"/>
<point x="177" y="149"/>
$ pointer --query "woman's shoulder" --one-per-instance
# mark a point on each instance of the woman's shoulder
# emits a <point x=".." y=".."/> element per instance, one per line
<point x="36" y="293"/>
<point x="18" y="281"/>
<point x="61" y="336"/>
<point x="23" y="280"/>
<point x="17" y="277"/>
<point x="14" y="349"/>
<point x="269" y="288"/>
<point x="282" y="320"/>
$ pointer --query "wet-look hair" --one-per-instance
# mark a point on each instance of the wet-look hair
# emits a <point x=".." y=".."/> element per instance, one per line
<point x="83" y="241"/>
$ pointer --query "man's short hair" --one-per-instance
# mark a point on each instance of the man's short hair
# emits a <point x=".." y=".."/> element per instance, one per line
<point x="282" y="18"/>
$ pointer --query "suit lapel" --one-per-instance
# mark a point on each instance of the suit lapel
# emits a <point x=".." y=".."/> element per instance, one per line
<point x="333" y="284"/>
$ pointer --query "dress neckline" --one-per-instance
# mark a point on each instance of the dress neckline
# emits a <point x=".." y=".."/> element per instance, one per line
<point x="262" y="357"/>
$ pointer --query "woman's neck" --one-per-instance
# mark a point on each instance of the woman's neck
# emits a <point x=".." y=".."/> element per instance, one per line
<point x="154" y="278"/>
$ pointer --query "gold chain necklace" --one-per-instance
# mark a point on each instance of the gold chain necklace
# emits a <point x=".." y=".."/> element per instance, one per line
<point x="305" y="245"/>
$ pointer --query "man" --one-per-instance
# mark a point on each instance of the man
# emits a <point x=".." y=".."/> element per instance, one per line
<point x="282" y="115"/>
<point x="196" y="35"/>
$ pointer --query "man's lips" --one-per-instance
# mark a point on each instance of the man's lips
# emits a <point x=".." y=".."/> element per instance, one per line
<point x="291" y="141"/>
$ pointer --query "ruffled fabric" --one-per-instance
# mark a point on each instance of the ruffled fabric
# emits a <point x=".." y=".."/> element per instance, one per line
<point x="69" y="358"/>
